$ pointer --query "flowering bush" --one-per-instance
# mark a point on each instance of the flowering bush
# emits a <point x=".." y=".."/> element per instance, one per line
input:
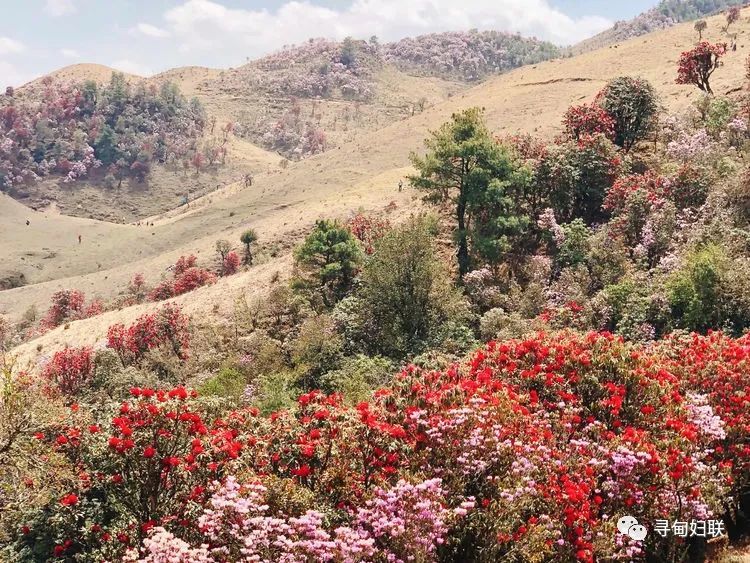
<point x="167" y="327"/>
<point x="697" y="65"/>
<point x="655" y="187"/>
<point x="69" y="305"/>
<point x="192" y="279"/>
<point x="70" y="369"/>
<point x="231" y="264"/>
<point x="187" y="276"/>
<point x="534" y="446"/>
<point x="691" y="147"/>
<point x="406" y="522"/>
<point x="368" y="230"/>
<point x="588" y="120"/>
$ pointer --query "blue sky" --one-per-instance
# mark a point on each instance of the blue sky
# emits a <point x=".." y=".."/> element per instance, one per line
<point x="148" y="36"/>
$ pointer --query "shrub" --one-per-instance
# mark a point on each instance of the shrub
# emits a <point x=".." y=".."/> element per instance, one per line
<point x="696" y="293"/>
<point x="150" y="457"/>
<point x="167" y="327"/>
<point x="574" y="249"/>
<point x="587" y="120"/>
<point x="330" y="257"/>
<point x="719" y="113"/>
<point x="316" y="350"/>
<point x="481" y="287"/>
<point x="358" y="377"/>
<point x="632" y="104"/>
<point x="228" y="383"/>
<point x="162" y="291"/>
<point x="496" y="324"/>
<point x="231" y="264"/>
<point x="656" y="189"/>
<point x="368" y="230"/>
<point x="577" y="176"/>
<point x="192" y="279"/>
<point x="406" y="290"/>
<point x="70" y="370"/>
<point x="184" y="263"/>
<point x="69" y="305"/>
<point x="136" y="292"/>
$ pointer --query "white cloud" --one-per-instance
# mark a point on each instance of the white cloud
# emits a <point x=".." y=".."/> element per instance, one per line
<point x="151" y="30"/>
<point x="70" y="53"/>
<point x="206" y="25"/>
<point x="57" y="8"/>
<point x="11" y="76"/>
<point x="132" y="67"/>
<point x="9" y="46"/>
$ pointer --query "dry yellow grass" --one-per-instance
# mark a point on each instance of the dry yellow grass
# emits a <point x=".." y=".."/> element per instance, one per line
<point x="282" y="204"/>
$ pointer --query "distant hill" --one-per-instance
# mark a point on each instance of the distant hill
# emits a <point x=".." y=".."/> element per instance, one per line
<point x="467" y="56"/>
<point x="666" y="14"/>
<point x="309" y="97"/>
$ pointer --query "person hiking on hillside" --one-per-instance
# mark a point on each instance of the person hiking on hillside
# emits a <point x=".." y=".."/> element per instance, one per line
<point x="79" y="239"/>
<point x="248" y="180"/>
<point x="400" y="185"/>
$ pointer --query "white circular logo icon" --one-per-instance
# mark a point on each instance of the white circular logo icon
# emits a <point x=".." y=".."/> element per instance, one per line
<point x="629" y="526"/>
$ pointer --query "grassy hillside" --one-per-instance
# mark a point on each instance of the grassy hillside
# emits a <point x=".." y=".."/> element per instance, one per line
<point x="500" y="328"/>
<point x="363" y="172"/>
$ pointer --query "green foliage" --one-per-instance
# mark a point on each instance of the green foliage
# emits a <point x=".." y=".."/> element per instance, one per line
<point x="112" y="380"/>
<point x="406" y="292"/>
<point x="497" y="324"/>
<point x="607" y="259"/>
<point x="575" y="248"/>
<point x="276" y="391"/>
<point x="633" y="104"/>
<point x="716" y="112"/>
<point x="329" y="257"/>
<point x="248" y="238"/>
<point x="228" y="383"/>
<point x="695" y="292"/>
<point x="466" y="167"/>
<point x="358" y="377"/>
<point x="576" y="177"/>
<point x="316" y="350"/>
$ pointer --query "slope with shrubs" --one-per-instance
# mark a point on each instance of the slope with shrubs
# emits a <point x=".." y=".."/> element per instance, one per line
<point x="363" y="173"/>
<point x="353" y="85"/>
<point x="72" y="142"/>
<point x="562" y="344"/>
<point x="666" y="14"/>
